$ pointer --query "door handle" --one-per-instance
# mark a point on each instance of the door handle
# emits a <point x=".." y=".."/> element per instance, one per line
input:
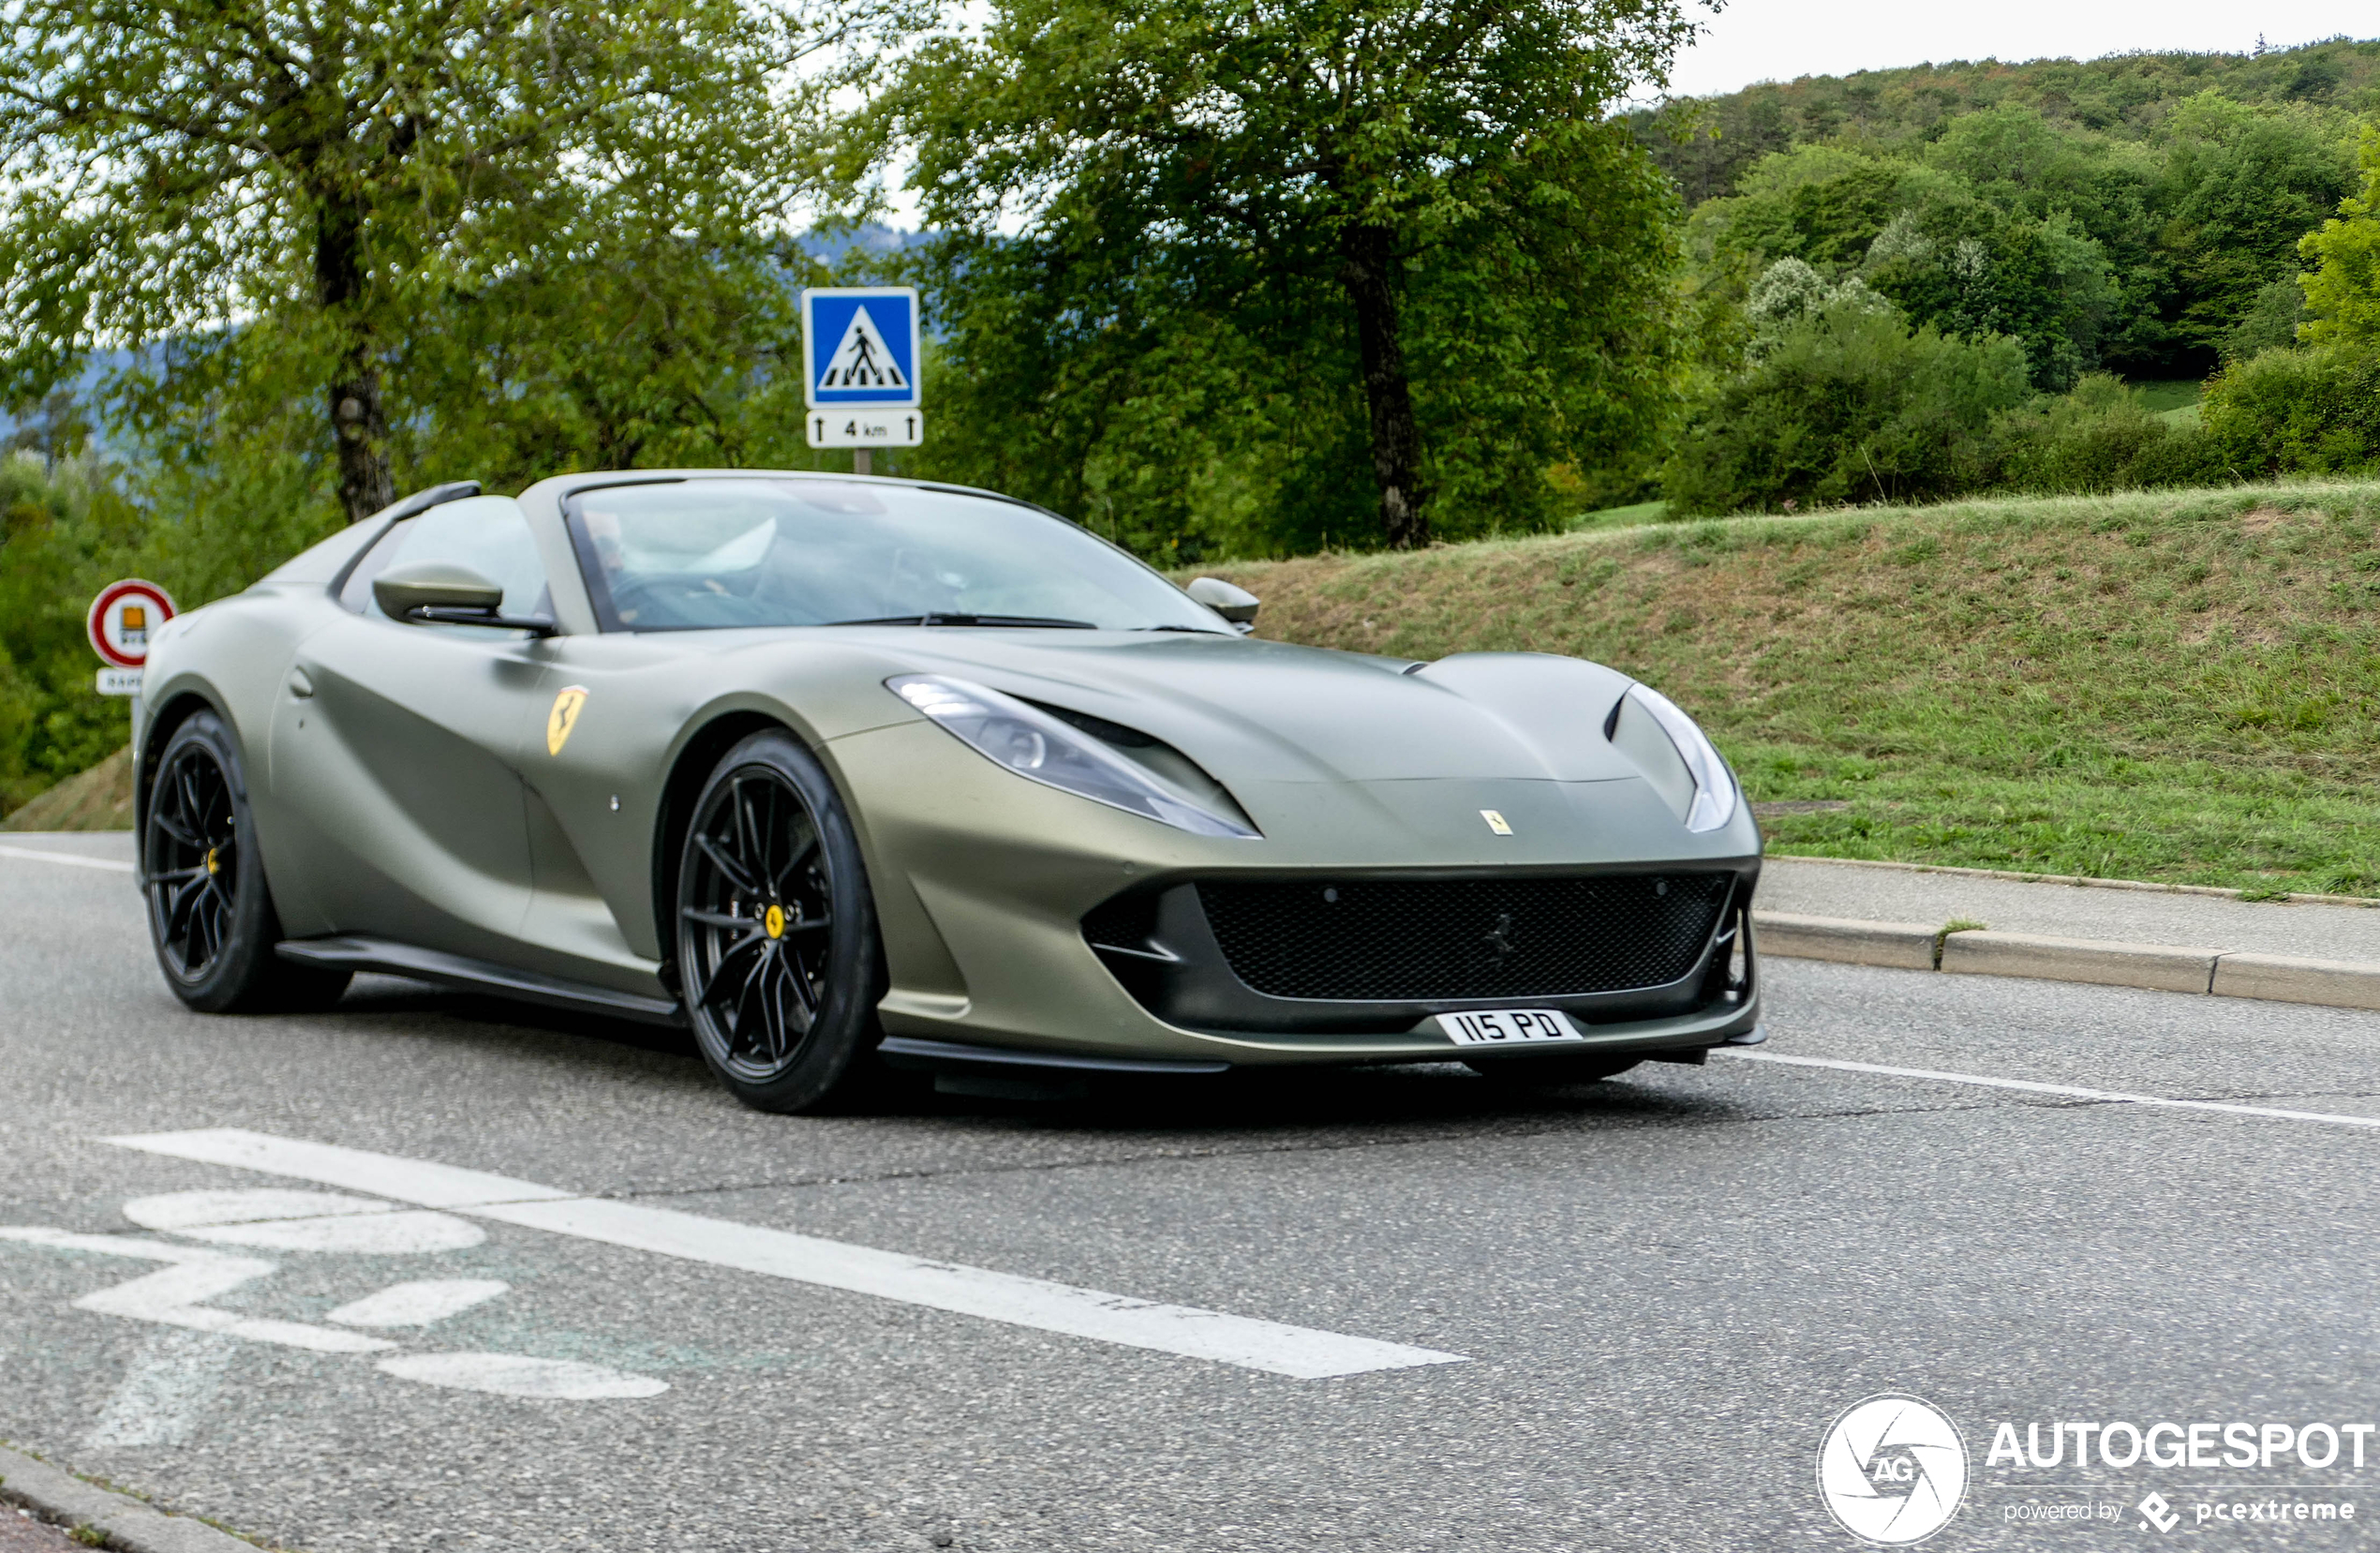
<point x="301" y="685"/>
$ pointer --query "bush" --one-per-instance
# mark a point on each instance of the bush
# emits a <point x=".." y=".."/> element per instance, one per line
<point x="2310" y="412"/>
<point x="2100" y="438"/>
<point x="1849" y="406"/>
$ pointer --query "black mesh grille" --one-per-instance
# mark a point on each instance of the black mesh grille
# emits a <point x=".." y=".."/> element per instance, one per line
<point x="1465" y="938"/>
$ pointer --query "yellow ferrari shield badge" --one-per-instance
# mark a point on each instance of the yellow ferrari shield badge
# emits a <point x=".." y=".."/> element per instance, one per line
<point x="563" y="718"/>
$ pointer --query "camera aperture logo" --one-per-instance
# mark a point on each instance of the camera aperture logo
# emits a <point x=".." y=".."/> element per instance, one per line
<point x="1892" y="1470"/>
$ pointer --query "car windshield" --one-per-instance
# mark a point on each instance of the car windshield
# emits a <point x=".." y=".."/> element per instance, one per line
<point x="719" y="553"/>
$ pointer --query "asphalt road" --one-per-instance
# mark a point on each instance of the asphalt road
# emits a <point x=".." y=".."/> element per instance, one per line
<point x="1663" y="1289"/>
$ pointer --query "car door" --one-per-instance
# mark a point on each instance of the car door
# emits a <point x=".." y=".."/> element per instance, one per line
<point x="397" y="747"/>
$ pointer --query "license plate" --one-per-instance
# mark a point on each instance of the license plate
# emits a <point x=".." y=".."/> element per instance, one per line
<point x="1508" y="1028"/>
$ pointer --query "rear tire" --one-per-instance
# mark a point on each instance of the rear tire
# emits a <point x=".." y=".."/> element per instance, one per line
<point x="779" y="958"/>
<point x="211" y="917"/>
<point x="1563" y="1068"/>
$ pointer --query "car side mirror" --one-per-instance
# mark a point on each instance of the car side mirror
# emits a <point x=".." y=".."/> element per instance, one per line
<point x="441" y="592"/>
<point x="1233" y="603"/>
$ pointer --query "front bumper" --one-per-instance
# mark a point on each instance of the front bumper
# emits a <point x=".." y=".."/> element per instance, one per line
<point x="984" y="882"/>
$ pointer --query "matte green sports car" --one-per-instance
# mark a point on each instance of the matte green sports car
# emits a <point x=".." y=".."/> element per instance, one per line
<point x="849" y="773"/>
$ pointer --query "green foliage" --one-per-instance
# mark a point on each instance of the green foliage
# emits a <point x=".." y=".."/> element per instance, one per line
<point x="2271" y="322"/>
<point x="2240" y="187"/>
<point x="1275" y="264"/>
<point x="1709" y="145"/>
<point x="1850" y="405"/>
<point x="2103" y="437"/>
<point x="66" y="531"/>
<point x="2129" y="214"/>
<point x="2343" y="293"/>
<point x="2143" y="248"/>
<point x="2310" y="412"/>
<point x="339" y="192"/>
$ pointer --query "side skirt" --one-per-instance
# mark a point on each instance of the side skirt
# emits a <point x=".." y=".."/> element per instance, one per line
<point x="356" y="952"/>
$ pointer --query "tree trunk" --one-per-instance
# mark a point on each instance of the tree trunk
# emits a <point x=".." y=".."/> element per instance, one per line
<point x="358" y="423"/>
<point x="1367" y="259"/>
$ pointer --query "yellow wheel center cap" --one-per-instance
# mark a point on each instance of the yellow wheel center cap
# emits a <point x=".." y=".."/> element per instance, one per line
<point x="775" y="921"/>
<point x="213" y="862"/>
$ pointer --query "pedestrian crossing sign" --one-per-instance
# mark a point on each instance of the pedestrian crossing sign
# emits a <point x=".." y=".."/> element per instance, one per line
<point x="862" y="344"/>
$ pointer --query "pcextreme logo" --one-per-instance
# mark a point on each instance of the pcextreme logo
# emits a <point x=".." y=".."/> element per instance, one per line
<point x="563" y="718"/>
<point x="1892" y="1470"/>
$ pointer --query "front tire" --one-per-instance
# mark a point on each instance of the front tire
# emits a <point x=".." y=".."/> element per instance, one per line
<point x="778" y="960"/>
<point x="211" y="915"/>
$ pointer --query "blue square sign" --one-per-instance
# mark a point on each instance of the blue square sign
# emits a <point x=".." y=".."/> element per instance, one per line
<point x="861" y="345"/>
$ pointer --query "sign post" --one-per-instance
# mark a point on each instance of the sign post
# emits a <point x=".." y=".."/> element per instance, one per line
<point x="122" y="620"/>
<point x="862" y="346"/>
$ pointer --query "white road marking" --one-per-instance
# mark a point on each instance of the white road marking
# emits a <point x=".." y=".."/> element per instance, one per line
<point x="157" y="1401"/>
<point x="2112" y="1097"/>
<point x="391" y="1235"/>
<point x="171" y="1296"/>
<point x="69" y="859"/>
<point x="303" y="1221"/>
<point x="512" y="1375"/>
<point x="424" y="1184"/>
<point x="1272" y="1346"/>
<point x="417" y="1304"/>
<point x="174" y="1212"/>
<point x="174" y="1379"/>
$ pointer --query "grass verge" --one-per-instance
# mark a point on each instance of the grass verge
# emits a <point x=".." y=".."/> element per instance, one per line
<point x="2175" y="686"/>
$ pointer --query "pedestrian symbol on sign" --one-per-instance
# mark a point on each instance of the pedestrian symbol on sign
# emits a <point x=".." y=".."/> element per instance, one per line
<point x="862" y="359"/>
<point x="862" y="344"/>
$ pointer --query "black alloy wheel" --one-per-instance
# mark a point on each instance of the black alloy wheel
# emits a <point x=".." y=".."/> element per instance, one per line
<point x="193" y="862"/>
<point x="211" y="914"/>
<point x="777" y="954"/>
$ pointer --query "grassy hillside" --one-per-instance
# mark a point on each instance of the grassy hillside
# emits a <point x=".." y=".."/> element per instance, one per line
<point x="2175" y="686"/>
<point x="99" y="798"/>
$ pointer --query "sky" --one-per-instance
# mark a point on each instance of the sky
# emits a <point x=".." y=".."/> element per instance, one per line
<point x="1778" y="39"/>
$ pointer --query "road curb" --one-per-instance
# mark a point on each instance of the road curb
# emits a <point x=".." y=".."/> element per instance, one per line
<point x="2286" y="979"/>
<point x="127" y="1523"/>
<point x="1846" y="939"/>
<point x="2161" y="967"/>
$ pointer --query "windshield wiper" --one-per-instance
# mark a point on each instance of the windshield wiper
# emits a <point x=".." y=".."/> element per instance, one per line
<point x="1193" y="630"/>
<point x="933" y="617"/>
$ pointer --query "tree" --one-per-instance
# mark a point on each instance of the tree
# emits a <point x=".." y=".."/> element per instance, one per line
<point x="2343" y="292"/>
<point x="2243" y="185"/>
<point x="334" y="175"/>
<point x="1421" y="200"/>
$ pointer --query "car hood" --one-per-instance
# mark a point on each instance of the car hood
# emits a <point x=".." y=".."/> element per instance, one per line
<point x="1269" y="712"/>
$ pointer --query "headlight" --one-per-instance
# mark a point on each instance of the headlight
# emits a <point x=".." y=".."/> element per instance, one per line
<point x="1715" y="797"/>
<point x="1040" y="748"/>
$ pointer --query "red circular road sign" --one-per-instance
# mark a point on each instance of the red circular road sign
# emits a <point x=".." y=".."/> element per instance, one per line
<point x="124" y="617"/>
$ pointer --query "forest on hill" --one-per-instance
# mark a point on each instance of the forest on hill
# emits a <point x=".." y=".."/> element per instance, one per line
<point x="1708" y="143"/>
<point x="1917" y="283"/>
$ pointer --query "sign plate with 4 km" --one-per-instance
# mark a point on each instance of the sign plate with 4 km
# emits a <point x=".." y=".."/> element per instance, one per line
<point x="866" y="429"/>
